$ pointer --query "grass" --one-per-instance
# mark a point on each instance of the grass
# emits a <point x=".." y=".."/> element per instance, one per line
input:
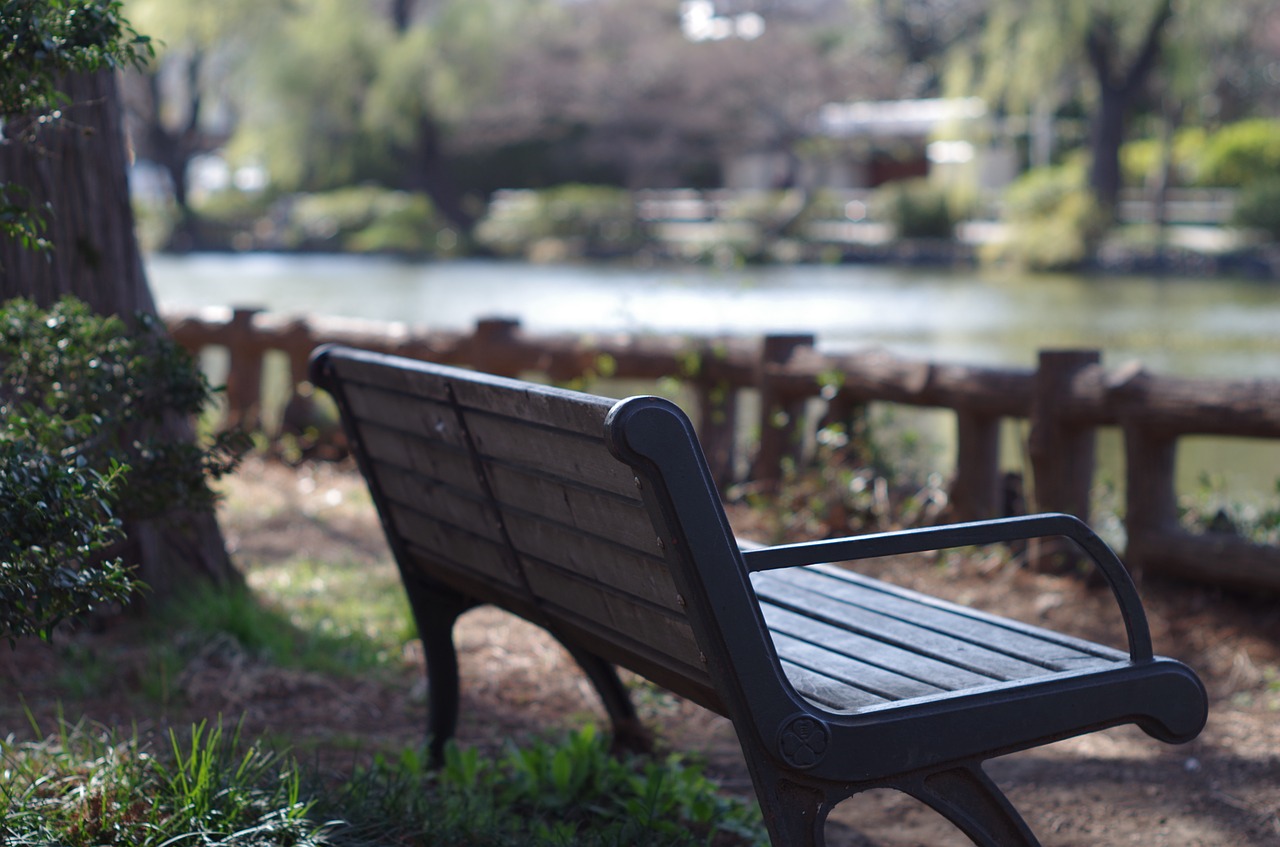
<point x="342" y="617"/>
<point x="86" y="786"/>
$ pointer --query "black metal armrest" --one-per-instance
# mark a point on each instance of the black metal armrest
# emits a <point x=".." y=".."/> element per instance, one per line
<point x="969" y="534"/>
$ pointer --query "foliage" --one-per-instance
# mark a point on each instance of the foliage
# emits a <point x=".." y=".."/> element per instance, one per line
<point x="1053" y="220"/>
<point x="83" y="442"/>
<point x="366" y="219"/>
<point x="86" y="787"/>
<point x="1210" y="509"/>
<point x="1258" y="207"/>
<point x="917" y="208"/>
<point x="40" y="41"/>
<point x="1142" y="158"/>
<point x="596" y="219"/>
<point x="1242" y="153"/>
<point x="571" y="793"/>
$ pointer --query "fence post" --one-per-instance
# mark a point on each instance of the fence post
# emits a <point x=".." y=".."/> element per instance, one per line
<point x="244" y="371"/>
<point x="975" y="491"/>
<point x="717" y="415"/>
<point x="1151" y="507"/>
<point x="492" y="345"/>
<point x="1062" y="452"/>
<point x="780" y="414"/>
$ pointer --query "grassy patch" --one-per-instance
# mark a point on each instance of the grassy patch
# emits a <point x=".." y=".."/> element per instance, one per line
<point x="90" y="786"/>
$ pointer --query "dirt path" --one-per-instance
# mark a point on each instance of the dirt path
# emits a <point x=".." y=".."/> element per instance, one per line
<point x="1111" y="788"/>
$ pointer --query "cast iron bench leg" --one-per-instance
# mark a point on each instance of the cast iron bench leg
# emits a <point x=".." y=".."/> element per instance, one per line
<point x="629" y="735"/>
<point x="435" y="611"/>
<point x="968" y="798"/>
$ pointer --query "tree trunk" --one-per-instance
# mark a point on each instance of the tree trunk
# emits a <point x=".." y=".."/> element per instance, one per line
<point x="75" y="168"/>
<point x="1118" y="90"/>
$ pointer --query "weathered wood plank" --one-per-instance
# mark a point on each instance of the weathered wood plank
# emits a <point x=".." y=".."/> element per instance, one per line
<point x="615" y="617"/>
<point x="402" y="375"/>
<point x="403" y="413"/>
<point x="852" y="672"/>
<point x="838" y="639"/>
<point x="874" y="624"/>
<point x="601" y="513"/>
<point x="542" y="405"/>
<point x="827" y="692"/>
<point x="886" y="596"/>
<point x="432" y="459"/>
<point x="590" y="557"/>
<point x="410" y="495"/>
<point x="562" y="454"/>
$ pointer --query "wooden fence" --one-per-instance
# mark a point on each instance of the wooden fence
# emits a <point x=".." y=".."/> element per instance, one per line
<point x="1065" y="399"/>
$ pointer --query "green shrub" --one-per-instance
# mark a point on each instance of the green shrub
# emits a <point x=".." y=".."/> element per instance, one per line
<point x="1258" y="207"/>
<point x="1241" y="153"/>
<point x="84" y="444"/>
<point x="916" y="208"/>
<point x="1140" y="159"/>
<point x="589" y="219"/>
<point x="366" y="219"/>
<point x="1052" y="219"/>
<point x="86" y="787"/>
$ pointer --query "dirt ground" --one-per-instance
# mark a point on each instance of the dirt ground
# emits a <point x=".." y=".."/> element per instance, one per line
<point x="1112" y="788"/>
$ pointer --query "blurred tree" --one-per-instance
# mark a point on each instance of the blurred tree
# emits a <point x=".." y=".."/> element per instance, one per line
<point x="63" y="154"/>
<point x="185" y="102"/>
<point x="376" y="90"/>
<point x="1114" y="56"/>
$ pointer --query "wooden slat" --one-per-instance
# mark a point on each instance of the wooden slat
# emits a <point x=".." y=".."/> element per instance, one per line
<point x="885" y="589"/>
<point x="615" y="617"/>
<point x="547" y="406"/>
<point x="925" y="641"/>
<point x="827" y="692"/>
<point x="563" y="454"/>
<point x="595" y="559"/>
<point x="413" y="497"/>
<point x="620" y="519"/>
<point x="940" y="674"/>
<point x="392" y="450"/>
<point x="1039" y="647"/>
<point x="858" y="674"/>
<point x="688" y="681"/>
<point x="416" y="378"/>
<point x="403" y="413"/>
<point x="482" y="583"/>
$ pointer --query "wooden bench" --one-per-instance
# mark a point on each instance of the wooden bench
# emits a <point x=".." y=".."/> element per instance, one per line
<point x="599" y="521"/>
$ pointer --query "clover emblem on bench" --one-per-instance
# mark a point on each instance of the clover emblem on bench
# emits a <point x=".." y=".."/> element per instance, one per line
<point x="803" y="742"/>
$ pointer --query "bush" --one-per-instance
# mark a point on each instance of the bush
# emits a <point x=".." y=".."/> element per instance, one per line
<point x="1141" y="159"/>
<point x="1052" y="219"/>
<point x="916" y="208"/>
<point x="1241" y="153"/>
<point x="84" y="444"/>
<point x="587" y="219"/>
<point x="365" y="219"/>
<point x="1258" y="207"/>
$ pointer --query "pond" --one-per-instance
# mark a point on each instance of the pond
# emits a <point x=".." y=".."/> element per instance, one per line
<point x="1209" y="327"/>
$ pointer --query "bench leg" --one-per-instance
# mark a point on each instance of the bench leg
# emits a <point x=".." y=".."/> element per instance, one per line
<point x="435" y="611"/>
<point x="795" y="815"/>
<point x="629" y="734"/>
<point x="968" y="798"/>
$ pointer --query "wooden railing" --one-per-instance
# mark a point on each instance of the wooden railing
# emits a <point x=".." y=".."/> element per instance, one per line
<point x="1066" y="399"/>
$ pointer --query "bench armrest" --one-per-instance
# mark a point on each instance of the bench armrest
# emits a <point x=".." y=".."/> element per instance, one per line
<point x="969" y="534"/>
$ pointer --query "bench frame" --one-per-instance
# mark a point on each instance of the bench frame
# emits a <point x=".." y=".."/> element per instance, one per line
<point x="803" y="758"/>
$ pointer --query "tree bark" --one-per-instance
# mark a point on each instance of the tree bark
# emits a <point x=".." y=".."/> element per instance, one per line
<point x="75" y="168"/>
<point x="1118" y="89"/>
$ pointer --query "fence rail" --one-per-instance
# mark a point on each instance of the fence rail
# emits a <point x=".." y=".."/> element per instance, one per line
<point x="1065" y="399"/>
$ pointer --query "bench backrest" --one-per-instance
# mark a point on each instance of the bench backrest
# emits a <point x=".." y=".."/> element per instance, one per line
<point x="509" y="493"/>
